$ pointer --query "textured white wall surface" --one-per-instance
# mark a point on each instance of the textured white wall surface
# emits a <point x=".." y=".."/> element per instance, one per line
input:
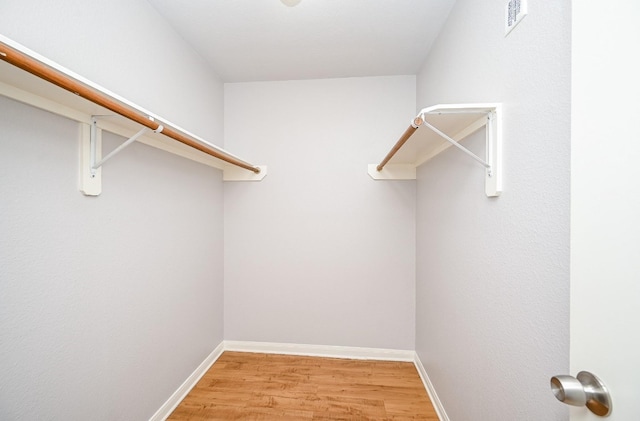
<point x="493" y="274"/>
<point x="127" y="47"/>
<point x="318" y="252"/>
<point x="108" y="304"/>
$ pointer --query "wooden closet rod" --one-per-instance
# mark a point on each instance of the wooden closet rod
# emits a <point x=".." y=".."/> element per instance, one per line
<point x="417" y="122"/>
<point x="29" y="64"/>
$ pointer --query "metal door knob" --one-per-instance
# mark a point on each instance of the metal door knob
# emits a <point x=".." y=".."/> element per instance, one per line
<point x="583" y="390"/>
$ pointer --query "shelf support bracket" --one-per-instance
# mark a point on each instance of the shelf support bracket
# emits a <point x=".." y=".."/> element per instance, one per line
<point x="95" y="164"/>
<point x="489" y="117"/>
<point x="459" y="146"/>
<point x="91" y="152"/>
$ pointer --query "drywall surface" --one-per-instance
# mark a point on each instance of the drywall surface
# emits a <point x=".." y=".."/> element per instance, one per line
<point x="492" y="320"/>
<point x="108" y="303"/>
<point x="318" y="252"/>
<point x="127" y="47"/>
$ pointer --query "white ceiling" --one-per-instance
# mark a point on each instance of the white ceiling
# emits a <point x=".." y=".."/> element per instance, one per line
<point x="251" y="40"/>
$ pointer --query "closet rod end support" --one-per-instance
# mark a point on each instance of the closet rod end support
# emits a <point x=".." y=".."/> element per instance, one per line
<point x="417" y="121"/>
<point x="392" y="172"/>
<point x="233" y="173"/>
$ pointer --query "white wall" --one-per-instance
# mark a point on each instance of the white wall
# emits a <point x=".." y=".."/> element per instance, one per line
<point x="493" y="274"/>
<point x="127" y="47"/>
<point x="108" y="303"/>
<point x="318" y="252"/>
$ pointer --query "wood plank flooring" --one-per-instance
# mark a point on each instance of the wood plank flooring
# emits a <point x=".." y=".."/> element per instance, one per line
<point x="251" y="386"/>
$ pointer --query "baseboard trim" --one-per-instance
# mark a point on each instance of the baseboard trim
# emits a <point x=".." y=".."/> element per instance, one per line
<point x="349" y="352"/>
<point x="431" y="391"/>
<point x="174" y="400"/>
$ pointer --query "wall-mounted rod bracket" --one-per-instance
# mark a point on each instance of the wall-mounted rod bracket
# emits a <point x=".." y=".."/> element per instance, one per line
<point x="91" y="160"/>
<point x="484" y="163"/>
<point x="95" y="164"/>
<point x="418" y="145"/>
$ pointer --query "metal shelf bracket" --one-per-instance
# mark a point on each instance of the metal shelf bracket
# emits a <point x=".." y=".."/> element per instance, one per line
<point x="95" y="164"/>
<point x="459" y="146"/>
<point x="91" y="152"/>
<point x="418" y="145"/>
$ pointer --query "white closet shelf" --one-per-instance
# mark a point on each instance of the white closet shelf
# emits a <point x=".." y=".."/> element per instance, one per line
<point x="28" y="77"/>
<point x="438" y="127"/>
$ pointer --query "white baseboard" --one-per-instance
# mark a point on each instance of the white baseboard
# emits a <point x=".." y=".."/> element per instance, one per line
<point x="174" y="400"/>
<point x="442" y="415"/>
<point x="356" y="353"/>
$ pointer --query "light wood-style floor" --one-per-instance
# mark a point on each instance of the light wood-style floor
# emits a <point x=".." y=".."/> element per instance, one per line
<point x="250" y="386"/>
